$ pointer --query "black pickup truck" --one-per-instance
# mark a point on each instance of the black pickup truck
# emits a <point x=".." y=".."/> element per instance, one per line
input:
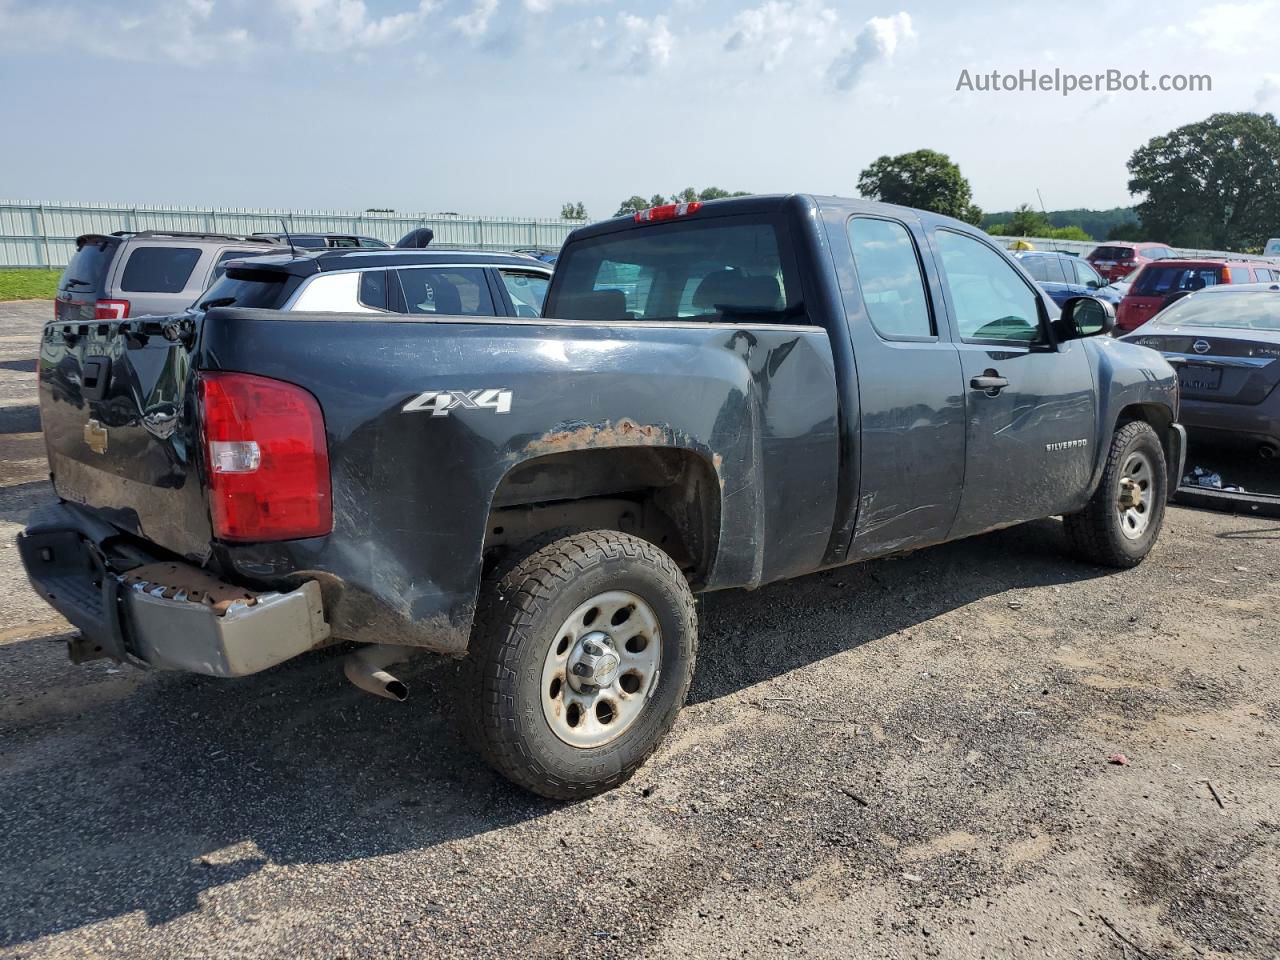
<point x="721" y="395"/>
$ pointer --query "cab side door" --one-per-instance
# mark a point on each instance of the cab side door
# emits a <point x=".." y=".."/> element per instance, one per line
<point x="1031" y="402"/>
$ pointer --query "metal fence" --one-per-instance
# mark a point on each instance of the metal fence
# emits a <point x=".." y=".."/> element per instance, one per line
<point x="44" y="234"/>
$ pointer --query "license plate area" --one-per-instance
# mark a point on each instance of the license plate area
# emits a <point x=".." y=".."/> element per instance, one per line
<point x="1195" y="378"/>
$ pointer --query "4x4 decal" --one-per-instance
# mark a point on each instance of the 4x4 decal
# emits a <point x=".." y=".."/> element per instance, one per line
<point x="440" y="403"/>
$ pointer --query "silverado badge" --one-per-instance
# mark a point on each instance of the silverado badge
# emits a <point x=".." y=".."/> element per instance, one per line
<point x="95" y="435"/>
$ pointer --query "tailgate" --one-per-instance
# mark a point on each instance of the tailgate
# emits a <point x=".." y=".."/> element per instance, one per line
<point x="116" y="406"/>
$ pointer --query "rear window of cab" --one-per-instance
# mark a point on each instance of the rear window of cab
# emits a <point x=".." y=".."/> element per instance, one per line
<point x="724" y="269"/>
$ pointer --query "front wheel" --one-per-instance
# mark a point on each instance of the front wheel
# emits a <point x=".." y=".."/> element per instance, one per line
<point x="581" y="658"/>
<point x="1122" y="520"/>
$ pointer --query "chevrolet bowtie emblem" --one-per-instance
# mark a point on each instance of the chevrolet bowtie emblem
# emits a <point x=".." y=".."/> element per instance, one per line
<point x="95" y="435"/>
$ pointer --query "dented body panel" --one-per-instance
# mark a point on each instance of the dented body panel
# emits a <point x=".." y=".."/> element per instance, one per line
<point x="412" y="494"/>
<point x="752" y="449"/>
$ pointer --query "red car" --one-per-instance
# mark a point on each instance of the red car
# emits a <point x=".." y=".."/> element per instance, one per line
<point x="1115" y="261"/>
<point x="1159" y="284"/>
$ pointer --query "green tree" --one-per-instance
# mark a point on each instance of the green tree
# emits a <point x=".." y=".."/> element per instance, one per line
<point x="632" y="205"/>
<point x="573" y="211"/>
<point x="1131" y="232"/>
<point x="925" y="179"/>
<point x="1212" y="184"/>
<point x="658" y="200"/>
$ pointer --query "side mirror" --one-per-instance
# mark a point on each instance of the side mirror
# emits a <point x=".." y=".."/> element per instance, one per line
<point x="1085" y="317"/>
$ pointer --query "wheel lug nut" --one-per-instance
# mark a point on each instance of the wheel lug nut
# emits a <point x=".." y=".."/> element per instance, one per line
<point x="581" y="670"/>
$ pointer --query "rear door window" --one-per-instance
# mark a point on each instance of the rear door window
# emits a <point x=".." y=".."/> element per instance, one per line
<point x="159" y="269"/>
<point x="1035" y="267"/>
<point x="527" y="291"/>
<point x="1059" y="270"/>
<point x="448" y="291"/>
<point x="723" y="269"/>
<point x="891" y="280"/>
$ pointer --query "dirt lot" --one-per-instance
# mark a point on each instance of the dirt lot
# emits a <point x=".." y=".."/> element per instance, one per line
<point x="903" y="759"/>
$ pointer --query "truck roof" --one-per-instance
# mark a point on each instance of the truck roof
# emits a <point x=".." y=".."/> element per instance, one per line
<point x="769" y="203"/>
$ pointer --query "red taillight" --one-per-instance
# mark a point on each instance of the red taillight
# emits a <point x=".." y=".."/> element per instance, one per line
<point x="111" y="309"/>
<point x="267" y="457"/>
<point x="668" y="211"/>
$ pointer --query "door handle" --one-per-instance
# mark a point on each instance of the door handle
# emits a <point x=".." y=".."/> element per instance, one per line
<point x="990" y="382"/>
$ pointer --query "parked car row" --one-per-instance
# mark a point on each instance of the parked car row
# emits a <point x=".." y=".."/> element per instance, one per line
<point x="121" y="275"/>
<point x="1225" y="340"/>
<point x="1218" y="320"/>
<point x="1157" y="285"/>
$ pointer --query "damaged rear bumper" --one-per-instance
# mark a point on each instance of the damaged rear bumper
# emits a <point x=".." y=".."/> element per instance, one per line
<point x="168" y="615"/>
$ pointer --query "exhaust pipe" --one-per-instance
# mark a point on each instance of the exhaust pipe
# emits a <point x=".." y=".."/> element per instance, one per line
<point x="1269" y="450"/>
<point x="367" y="669"/>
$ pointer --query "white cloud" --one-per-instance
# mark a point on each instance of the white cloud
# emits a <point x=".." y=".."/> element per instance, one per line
<point x="476" y="23"/>
<point x="1234" y="28"/>
<point x="633" y="45"/>
<point x="878" y="40"/>
<point x="331" y="26"/>
<point x="1268" y="91"/>
<point x="773" y="28"/>
<point x="181" y="31"/>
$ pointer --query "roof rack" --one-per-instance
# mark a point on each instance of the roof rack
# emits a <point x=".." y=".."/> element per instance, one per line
<point x="193" y="235"/>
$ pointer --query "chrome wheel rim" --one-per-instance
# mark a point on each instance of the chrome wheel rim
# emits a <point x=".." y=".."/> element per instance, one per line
<point x="601" y="669"/>
<point x="1133" y="499"/>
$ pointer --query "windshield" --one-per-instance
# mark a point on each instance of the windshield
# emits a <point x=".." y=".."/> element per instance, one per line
<point x="1243" y="310"/>
<point x="727" y="268"/>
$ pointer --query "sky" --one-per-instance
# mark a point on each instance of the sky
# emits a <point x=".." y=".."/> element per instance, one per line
<point x="512" y="107"/>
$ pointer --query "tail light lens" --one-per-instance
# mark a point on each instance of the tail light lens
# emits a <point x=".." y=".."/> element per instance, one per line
<point x="268" y="460"/>
<point x="111" y="310"/>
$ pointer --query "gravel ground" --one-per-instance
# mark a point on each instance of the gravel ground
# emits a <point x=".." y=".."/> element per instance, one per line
<point x="905" y="758"/>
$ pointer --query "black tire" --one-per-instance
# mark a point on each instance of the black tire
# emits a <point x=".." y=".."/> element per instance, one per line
<point x="522" y="608"/>
<point x="1097" y="533"/>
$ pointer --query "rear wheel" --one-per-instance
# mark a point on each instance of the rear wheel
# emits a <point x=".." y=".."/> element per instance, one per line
<point x="1122" y="520"/>
<point x="581" y="658"/>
